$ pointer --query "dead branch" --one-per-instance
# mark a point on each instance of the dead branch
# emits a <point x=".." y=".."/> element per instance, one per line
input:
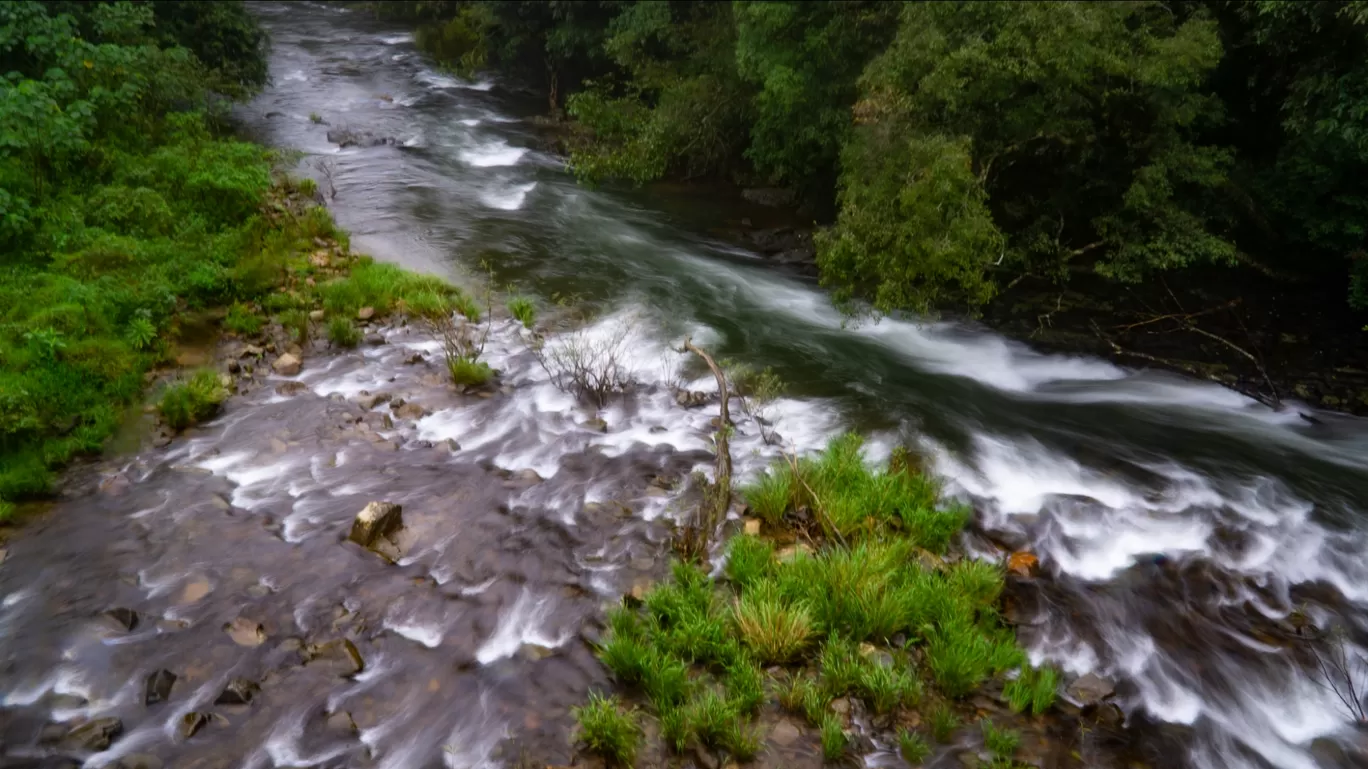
<point x="1343" y="673"/>
<point x="693" y="541"/>
<point x="817" y="507"/>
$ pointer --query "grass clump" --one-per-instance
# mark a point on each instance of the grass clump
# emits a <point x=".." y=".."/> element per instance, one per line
<point x="468" y="371"/>
<point x="242" y="320"/>
<point x="523" y="310"/>
<point x="386" y="288"/>
<point x="834" y="739"/>
<point x="191" y="401"/>
<point x="697" y="650"/>
<point x="342" y="332"/>
<point x="609" y="729"/>
<point x="1033" y="689"/>
<point x="913" y="747"/>
<point x="296" y="324"/>
<point x="1002" y="743"/>
<point x="6" y="511"/>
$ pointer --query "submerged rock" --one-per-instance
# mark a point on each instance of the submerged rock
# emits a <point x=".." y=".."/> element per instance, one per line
<point x="368" y="400"/>
<point x="246" y="632"/>
<point x="410" y="411"/>
<point x="341" y="723"/>
<point x="376" y="520"/>
<point x="158" y="687"/>
<point x="1090" y="689"/>
<point x="94" y="735"/>
<point x="191" y="723"/>
<point x="121" y="619"/>
<point x="341" y="655"/>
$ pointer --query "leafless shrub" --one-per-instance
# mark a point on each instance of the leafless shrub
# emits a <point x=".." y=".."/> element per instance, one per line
<point x="756" y="390"/>
<point x="587" y="365"/>
<point x="1343" y="671"/>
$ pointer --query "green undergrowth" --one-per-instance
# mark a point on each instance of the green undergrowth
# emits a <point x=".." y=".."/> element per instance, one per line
<point x="873" y="613"/>
<point x="191" y="401"/>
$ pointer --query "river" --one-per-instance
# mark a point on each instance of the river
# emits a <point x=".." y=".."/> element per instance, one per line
<point x="1179" y="524"/>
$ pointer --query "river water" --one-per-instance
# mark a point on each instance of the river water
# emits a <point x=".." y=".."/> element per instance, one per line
<point x="1184" y="529"/>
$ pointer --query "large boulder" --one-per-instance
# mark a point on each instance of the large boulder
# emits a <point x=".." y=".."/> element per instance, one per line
<point x="286" y="365"/>
<point x="375" y="521"/>
<point x="1090" y="689"/>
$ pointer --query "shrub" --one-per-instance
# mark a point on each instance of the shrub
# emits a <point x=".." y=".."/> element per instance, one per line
<point x="192" y="401"/>
<point x="833" y="738"/>
<point x="608" y="729"/>
<point x="523" y="310"/>
<point x="913" y="747"/>
<point x="469" y="371"/>
<point x="1002" y="743"/>
<point x="242" y="321"/>
<point x="342" y="332"/>
<point x="1033" y="688"/>
<point x="774" y="629"/>
<point x="749" y="559"/>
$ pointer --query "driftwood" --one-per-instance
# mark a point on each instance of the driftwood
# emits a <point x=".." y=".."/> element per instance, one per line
<point x="694" y="540"/>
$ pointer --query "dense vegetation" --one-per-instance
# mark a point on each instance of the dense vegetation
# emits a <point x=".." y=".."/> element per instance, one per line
<point x="957" y="146"/>
<point x="873" y="614"/>
<point x="121" y="207"/>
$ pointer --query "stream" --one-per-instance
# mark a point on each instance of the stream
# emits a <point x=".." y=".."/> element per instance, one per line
<point x="1180" y="526"/>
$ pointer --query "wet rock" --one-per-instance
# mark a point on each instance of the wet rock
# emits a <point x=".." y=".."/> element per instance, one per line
<point x="410" y="411"/>
<point x="291" y="388"/>
<point x="158" y="687"/>
<point x="239" y="691"/>
<point x="251" y="351"/>
<point x="414" y="359"/>
<point x="94" y="735"/>
<point x="704" y="759"/>
<point x="535" y="652"/>
<point x="1090" y="689"/>
<point x="139" y="761"/>
<point x="341" y="723"/>
<point x="374" y="340"/>
<point x="278" y="446"/>
<point x="1023" y="564"/>
<point x="526" y="477"/>
<point x="114" y="485"/>
<point x="452" y="445"/>
<point x="121" y="619"/>
<point x="691" y="398"/>
<point x="341" y="656"/>
<point x="368" y="400"/>
<point x="365" y="313"/>
<point x="597" y="425"/>
<point x="191" y="723"/>
<point x="876" y="655"/>
<point x="345" y="137"/>
<point x="752" y="526"/>
<point x="377" y="520"/>
<point x="286" y="365"/>
<point x="840" y="706"/>
<point x="246" y="632"/>
<point x="658" y="429"/>
<point x="387" y="422"/>
<point x="317" y="315"/>
<point x="785" y="733"/>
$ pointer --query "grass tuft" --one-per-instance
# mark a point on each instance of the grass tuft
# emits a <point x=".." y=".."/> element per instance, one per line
<point x="469" y="371"/>
<point x="191" y="401"/>
<point x="1033" y="689"/>
<point x="609" y="729"/>
<point x="523" y="310"/>
<point x="944" y="722"/>
<point x="749" y="559"/>
<point x="242" y="320"/>
<point x="886" y="687"/>
<point x="913" y="747"/>
<point x="769" y="496"/>
<point x="834" y="739"/>
<point x="342" y="332"/>
<point x="1002" y="743"/>
<point x="774" y="629"/>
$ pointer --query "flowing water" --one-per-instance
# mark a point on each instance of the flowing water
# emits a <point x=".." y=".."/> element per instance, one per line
<point x="1184" y="529"/>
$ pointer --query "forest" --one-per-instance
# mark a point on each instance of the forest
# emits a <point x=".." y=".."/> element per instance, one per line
<point x="949" y="149"/>
<point x="124" y="203"/>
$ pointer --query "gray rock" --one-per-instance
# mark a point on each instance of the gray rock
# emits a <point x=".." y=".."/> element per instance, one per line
<point x="121" y="619"/>
<point x="317" y="315"/>
<point x="1090" y="689"/>
<point x="368" y="400"/>
<point x="341" y="723"/>
<point x="378" y="519"/>
<point x="374" y="340"/>
<point x="158" y="687"/>
<point x="291" y="388"/>
<point x="597" y="425"/>
<point x="341" y="656"/>
<point x="286" y="365"/>
<point x="410" y="411"/>
<point x="191" y="723"/>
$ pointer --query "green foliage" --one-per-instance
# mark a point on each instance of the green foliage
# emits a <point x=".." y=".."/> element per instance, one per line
<point x="342" y="332"/>
<point x="609" y="729"/>
<point x="770" y="494"/>
<point x="913" y="747"/>
<point x="385" y="288"/>
<point x="745" y="683"/>
<point x="296" y="322"/>
<point x="192" y="401"/>
<point x="242" y="320"/>
<point x="1002" y="743"/>
<point x="834" y="739"/>
<point x="6" y="512"/>
<point x="749" y="559"/>
<point x="523" y="310"/>
<point x="1033" y="688"/>
<point x="886" y="687"/>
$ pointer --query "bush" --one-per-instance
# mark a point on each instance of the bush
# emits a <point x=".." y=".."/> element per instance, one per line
<point x="342" y="332"/>
<point x="523" y="310"/>
<point x="608" y="729"/>
<point x="192" y="401"/>
<point x="242" y="321"/>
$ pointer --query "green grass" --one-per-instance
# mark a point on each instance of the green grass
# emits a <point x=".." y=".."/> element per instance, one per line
<point x="6" y="512"/>
<point x="770" y="495"/>
<point x="523" y="310"/>
<point x="1002" y="743"/>
<point x="913" y="747"/>
<point x="697" y="650"/>
<point x="469" y="371"/>
<point x="834" y="739"/>
<point x="1033" y="689"/>
<point x="242" y="320"/>
<point x="386" y="288"/>
<point x="296" y="324"/>
<point x="609" y="729"/>
<point x="191" y="401"/>
<point x="342" y="332"/>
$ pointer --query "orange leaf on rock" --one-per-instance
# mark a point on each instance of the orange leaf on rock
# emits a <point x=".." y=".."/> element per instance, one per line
<point x="1022" y="562"/>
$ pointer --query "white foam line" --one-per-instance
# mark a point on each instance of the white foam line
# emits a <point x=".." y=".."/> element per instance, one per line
<point x="523" y="623"/>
